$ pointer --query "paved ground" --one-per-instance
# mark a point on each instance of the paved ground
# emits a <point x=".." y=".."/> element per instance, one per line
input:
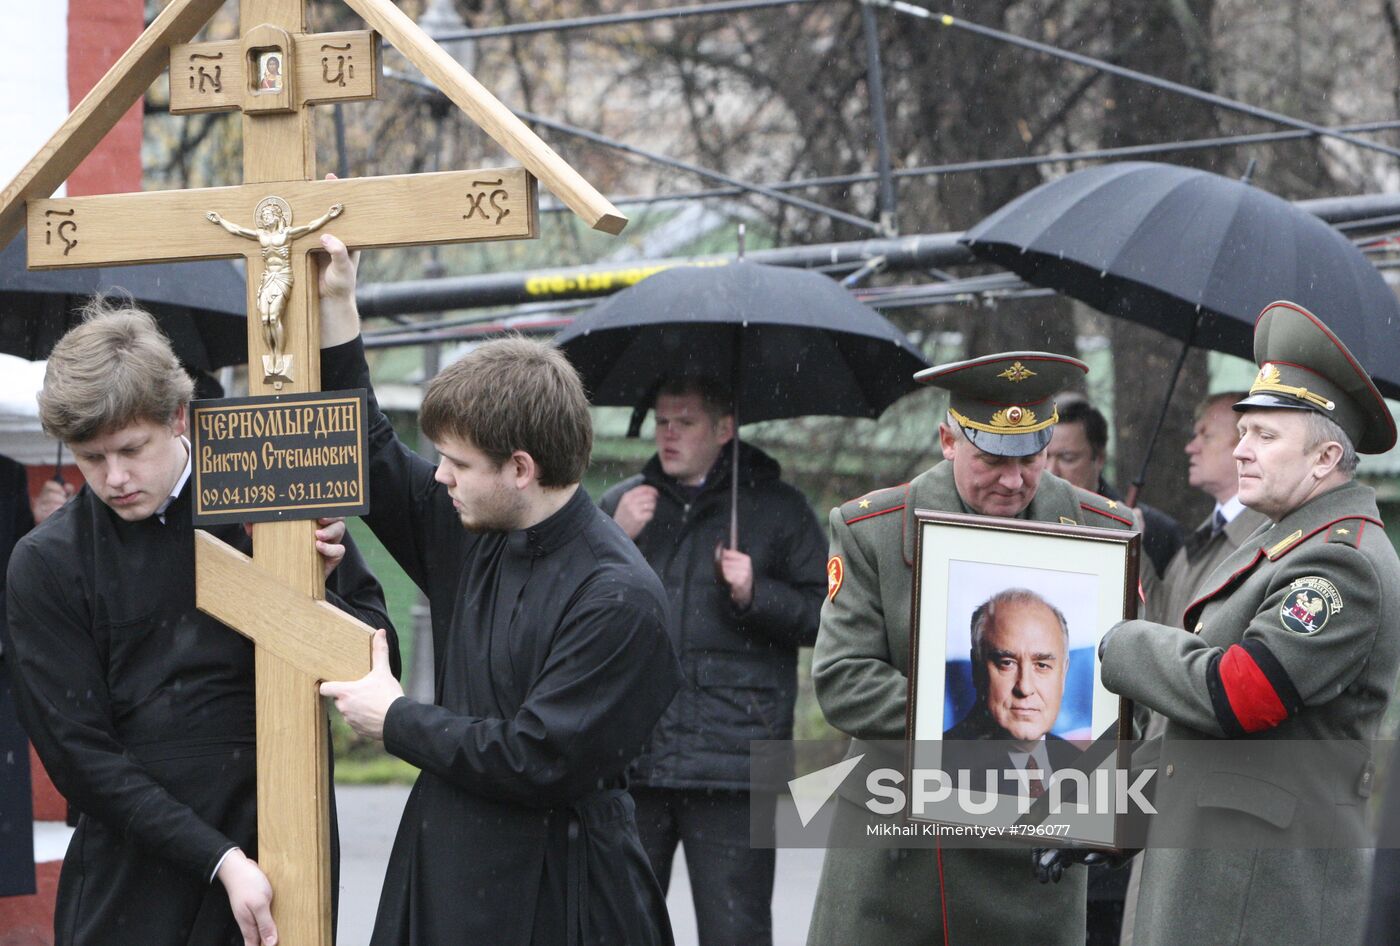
<point x="369" y="816"/>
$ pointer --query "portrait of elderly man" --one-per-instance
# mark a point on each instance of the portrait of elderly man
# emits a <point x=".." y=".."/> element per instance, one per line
<point x="1001" y="412"/>
<point x="1020" y="654"/>
<point x="1020" y="657"/>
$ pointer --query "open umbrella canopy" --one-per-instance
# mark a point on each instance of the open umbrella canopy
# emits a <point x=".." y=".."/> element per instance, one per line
<point x="202" y="306"/>
<point x="21" y="437"/>
<point x="792" y="342"/>
<point x="1194" y="255"/>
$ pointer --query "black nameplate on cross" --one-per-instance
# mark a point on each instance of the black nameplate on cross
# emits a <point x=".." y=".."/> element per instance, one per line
<point x="279" y="457"/>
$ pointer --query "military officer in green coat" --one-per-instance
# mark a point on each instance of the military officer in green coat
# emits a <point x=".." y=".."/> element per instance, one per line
<point x="1000" y="415"/>
<point x="1293" y="637"/>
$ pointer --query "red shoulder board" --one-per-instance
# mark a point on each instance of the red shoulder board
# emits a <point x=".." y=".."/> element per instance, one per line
<point x="1106" y="513"/>
<point x="1347" y="532"/>
<point x="879" y="503"/>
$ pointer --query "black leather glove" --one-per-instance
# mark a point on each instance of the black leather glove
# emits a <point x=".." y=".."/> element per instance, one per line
<point x="1104" y="640"/>
<point x="1049" y="864"/>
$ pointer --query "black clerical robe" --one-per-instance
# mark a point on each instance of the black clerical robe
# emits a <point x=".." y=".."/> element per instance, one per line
<point x="16" y="811"/>
<point x="553" y="665"/>
<point x="142" y="709"/>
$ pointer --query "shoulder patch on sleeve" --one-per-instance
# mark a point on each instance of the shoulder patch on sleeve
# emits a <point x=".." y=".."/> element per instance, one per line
<point x="877" y="503"/>
<point x="1308" y="604"/>
<point x="835" y="574"/>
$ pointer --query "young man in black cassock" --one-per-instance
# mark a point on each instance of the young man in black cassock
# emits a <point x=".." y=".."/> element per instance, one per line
<point x="17" y="516"/>
<point x="140" y="706"/>
<point x="553" y="664"/>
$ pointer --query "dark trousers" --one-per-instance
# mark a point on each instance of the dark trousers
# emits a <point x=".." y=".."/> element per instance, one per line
<point x="16" y="809"/>
<point x="730" y="881"/>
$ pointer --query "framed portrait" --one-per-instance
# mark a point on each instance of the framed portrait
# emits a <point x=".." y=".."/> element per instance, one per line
<point x="1009" y="728"/>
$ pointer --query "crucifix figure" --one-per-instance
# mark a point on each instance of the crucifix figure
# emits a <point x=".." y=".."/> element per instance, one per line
<point x="273" y="217"/>
<point x="275" y="597"/>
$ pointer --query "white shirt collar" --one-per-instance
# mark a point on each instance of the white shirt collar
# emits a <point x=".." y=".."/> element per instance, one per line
<point x="180" y="483"/>
<point x="1231" y="508"/>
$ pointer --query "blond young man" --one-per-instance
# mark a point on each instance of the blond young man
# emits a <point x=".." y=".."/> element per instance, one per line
<point x="736" y="621"/>
<point x="140" y="706"/>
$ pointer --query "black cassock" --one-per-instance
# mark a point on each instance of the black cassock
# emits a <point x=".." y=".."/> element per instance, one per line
<point x="16" y="811"/>
<point x="142" y="709"/>
<point x="553" y="665"/>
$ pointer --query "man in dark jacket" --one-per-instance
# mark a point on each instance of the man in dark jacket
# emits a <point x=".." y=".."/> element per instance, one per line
<point x="550" y="649"/>
<point x="1078" y="453"/>
<point x="17" y="517"/>
<point x="737" y="619"/>
<point x="140" y="705"/>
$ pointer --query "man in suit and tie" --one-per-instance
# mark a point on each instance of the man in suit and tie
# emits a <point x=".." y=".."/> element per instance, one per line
<point x="1078" y="453"/>
<point x="1210" y="453"/>
<point x="1020" y="655"/>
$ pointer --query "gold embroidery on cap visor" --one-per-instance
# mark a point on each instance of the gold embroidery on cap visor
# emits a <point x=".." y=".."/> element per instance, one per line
<point x="1017" y="372"/>
<point x="1009" y="420"/>
<point x="1268" y="381"/>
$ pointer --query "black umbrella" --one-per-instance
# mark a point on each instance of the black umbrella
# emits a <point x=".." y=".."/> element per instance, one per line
<point x="202" y="306"/>
<point x="1194" y="255"/>
<point x="792" y="342"/>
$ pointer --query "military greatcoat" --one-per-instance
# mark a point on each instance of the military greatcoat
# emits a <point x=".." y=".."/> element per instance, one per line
<point x="860" y="669"/>
<point x="1292" y="656"/>
<point x="1167" y="599"/>
<point x="1193" y="564"/>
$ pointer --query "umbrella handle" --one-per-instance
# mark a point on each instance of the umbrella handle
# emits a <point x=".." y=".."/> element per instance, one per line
<point x="1135" y="488"/>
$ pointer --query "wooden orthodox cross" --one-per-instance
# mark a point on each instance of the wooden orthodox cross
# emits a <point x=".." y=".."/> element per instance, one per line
<point x="273" y="73"/>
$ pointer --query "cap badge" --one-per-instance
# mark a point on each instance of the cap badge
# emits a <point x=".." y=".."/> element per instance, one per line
<point x="1013" y="417"/>
<point x="1017" y="372"/>
<point x="1269" y="380"/>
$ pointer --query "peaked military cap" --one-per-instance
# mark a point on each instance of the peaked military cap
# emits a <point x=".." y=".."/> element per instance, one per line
<point x="1303" y="366"/>
<point x="1005" y="403"/>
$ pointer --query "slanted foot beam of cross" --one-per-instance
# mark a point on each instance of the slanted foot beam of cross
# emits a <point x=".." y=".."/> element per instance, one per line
<point x="300" y="641"/>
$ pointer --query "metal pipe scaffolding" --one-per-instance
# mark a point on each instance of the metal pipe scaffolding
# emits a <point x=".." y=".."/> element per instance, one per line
<point x="587" y="282"/>
<point x="620" y="19"/>
<point x="1167" y="85"/>
<point x="998" y="164"/>
<point x="918" y="252"/>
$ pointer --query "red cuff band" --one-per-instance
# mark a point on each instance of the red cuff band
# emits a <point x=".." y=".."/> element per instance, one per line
<point x="1253" y="699"/>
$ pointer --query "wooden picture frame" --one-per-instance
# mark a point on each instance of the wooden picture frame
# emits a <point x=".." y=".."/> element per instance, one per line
<point x="1034" y="692"/>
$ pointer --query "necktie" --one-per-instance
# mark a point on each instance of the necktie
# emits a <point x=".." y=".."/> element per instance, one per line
<point x="1199" y="539"/>
<point x="1035" y="785"/>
